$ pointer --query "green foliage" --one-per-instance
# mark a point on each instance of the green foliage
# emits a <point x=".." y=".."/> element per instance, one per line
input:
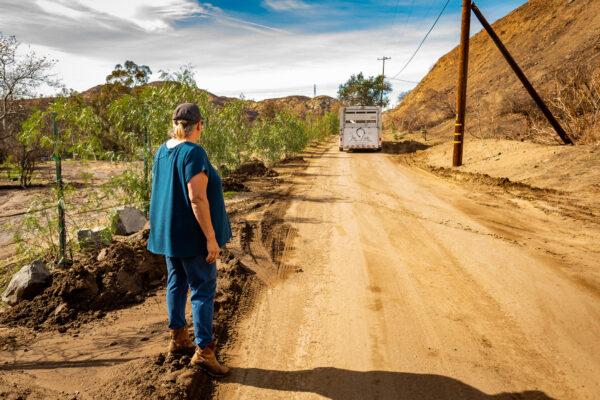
<point x="226" y="134"/>
<point x="79" y="128"/>
<point x="184" y="75"/>
<point x="130" y="74"/>
<point x="361" y="91"/>
<point x="37" y="234"/>
<point x="129" y="186"/>
<point x="32" y="144"/>
<point x="119" y="124"/>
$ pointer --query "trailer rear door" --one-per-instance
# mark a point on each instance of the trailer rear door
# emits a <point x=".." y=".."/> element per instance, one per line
<point x="360" y="128"/>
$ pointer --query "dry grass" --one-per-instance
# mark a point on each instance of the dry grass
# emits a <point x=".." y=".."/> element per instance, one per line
<point x="557" y="45"/>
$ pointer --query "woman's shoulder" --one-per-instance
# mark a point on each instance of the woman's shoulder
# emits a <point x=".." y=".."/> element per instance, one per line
<point x="194" y="148"/>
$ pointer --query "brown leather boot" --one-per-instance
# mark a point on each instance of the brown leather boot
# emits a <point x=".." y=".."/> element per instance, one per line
<point x="207" y="360"/>
<point x="181" y="344"/>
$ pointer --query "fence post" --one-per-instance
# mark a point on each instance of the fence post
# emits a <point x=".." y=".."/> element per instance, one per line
<point x="62" y="232"/>
<point x="146" y="174"/>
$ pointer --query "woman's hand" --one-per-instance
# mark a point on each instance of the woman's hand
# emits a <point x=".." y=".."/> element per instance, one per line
<point x="213" y="250"/>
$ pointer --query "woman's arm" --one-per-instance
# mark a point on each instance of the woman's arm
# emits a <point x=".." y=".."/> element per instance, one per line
<point x="197" y="192"/>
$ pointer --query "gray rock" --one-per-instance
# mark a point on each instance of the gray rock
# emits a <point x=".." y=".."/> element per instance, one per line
<point x="128" y="220"/>
<point x="27" y="283"/>
<point x="94" y="238"/>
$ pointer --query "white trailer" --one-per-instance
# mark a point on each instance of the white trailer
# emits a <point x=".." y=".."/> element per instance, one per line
<point x="360" y="128"/>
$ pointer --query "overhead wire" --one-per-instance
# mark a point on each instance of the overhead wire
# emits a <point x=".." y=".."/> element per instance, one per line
<point x="407" y="19"/>
<point x="403" y="80"/>
<point x="396" y="13"/>
<point x="412" y="57"/>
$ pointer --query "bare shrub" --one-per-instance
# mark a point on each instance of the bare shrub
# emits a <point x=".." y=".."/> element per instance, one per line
<point x="574" y="99"/>
<point x="436" y="107"/>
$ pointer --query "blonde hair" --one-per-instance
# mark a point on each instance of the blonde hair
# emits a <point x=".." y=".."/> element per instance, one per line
<point x="182" y="129"/>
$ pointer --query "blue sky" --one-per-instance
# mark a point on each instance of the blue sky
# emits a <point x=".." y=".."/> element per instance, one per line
<point x="261" y="48"/>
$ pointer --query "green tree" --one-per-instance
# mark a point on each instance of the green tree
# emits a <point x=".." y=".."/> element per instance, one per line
<point x="361" y="91"/>
<point x="184" y="75"/>
<point x="130" y="74"/>
<point x="31" y="145"/>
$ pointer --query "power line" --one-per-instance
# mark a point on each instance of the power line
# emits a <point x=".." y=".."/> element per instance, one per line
<point x="396" y="12"/>
<point x="404" y="80"/>
<point x="407" y="19"/>
<point x="424" y="39"/>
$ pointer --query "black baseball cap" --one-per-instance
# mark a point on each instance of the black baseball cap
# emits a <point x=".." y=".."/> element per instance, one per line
<point x="187" y="112"/>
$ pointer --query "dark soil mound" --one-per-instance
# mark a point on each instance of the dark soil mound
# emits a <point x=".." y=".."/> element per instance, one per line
<point x="234" y="183"/>
<point x="252" y="169"/>
<point x="123" y="274"/>
<point x="158" y="377"/>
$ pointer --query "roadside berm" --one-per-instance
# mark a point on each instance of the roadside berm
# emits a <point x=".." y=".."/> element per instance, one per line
<point x="99" y="328"/>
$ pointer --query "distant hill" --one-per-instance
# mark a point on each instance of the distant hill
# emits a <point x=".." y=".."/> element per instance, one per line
<point x="556" y="42"/>
<point x="297" y="104"/>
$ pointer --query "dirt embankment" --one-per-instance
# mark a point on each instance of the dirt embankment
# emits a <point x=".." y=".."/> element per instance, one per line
<point x="550" y="181"/>
<point x="565" y="176"/>
<point x="556" y="42"/>
<point x="126" y="277"/>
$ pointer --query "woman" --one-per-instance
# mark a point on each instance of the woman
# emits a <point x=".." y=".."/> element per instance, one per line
<point x="188" y="225"/>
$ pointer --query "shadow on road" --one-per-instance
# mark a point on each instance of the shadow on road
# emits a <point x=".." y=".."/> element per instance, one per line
<point x="27" y="365"/>
<point x="341" y="384"/>
<point x="406" y="146"/>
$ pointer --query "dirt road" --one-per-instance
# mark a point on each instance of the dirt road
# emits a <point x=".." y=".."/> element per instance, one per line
<point x="403" y="286"/>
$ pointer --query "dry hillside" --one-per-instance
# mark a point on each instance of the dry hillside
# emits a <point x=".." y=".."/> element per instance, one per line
<point x="297" y="104"/>
<point x="556" y="42"/>
<point x="300" y="105"/>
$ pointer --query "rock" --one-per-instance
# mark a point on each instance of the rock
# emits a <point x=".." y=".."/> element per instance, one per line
<point x="27" y="283"/>
<point x="94" y="238"/>
<point x="102" y="255"/>
<point x="60" y="308"/>
<point x="128" y="220"/>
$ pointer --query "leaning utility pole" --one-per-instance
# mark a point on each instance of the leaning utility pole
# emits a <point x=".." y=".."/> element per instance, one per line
<point x="522" y="77"/>
<point x="461" y="98"/>
<point x="384" y="59"/>
<point x="461" y="95"/>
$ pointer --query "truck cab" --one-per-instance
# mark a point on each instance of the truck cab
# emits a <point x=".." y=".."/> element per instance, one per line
<point x="360" y="128"/>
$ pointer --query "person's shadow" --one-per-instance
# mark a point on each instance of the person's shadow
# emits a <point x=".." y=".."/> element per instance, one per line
<point x="341" y="384"/>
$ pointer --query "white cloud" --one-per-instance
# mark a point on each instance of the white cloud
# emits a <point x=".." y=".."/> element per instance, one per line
<point x="229" y="58"/>
<point x="285" y="5"/>
<point x="59" y="9"/>
<point x="157" y="15"/>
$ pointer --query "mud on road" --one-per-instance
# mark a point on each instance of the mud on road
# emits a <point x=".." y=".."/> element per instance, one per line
<point x="359" y="276"/>
<point x="421" y="284"/>
<point x="99" y="330"/>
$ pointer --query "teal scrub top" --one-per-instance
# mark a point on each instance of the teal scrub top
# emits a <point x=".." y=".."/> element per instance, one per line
<point x="174" y="230"/>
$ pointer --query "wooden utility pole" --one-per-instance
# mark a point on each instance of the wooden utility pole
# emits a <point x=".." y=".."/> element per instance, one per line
<point x="384" y="59"/>
<point x="463" y="70"/>
<point x="521" y="75"/>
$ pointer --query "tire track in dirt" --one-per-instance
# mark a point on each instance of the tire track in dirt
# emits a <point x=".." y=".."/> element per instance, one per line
<point x="121" y="356"/>
<point x="405" y="295"/>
